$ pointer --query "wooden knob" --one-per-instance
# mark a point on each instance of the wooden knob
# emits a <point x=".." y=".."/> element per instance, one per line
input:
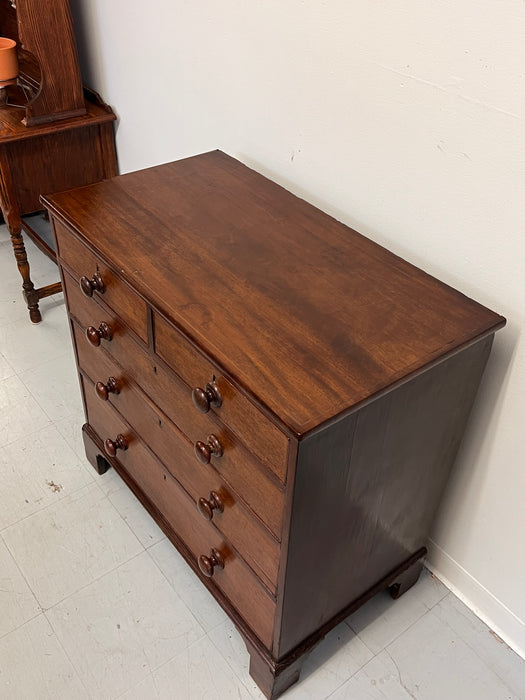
<point x="206" y="506"/>
<point x="119" y="443"/>
<point x="205" y="450"/>
<point x="208" y="564"/>
<point x="104" y="390"/>
<point x="88" y="286"/>
<point x="202" y="398"/>
<point x="94" y="335"/>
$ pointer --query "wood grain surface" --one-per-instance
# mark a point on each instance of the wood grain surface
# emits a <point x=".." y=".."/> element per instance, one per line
<point x="308" y="317"/>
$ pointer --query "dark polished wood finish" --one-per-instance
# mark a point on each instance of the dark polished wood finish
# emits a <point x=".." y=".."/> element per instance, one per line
<point x="203" y="399"/>
<point x="54" y="135"/>
<point x="206" y="506"/>
<point x="290" y="417"/>
<point x="110" y="387"/>
<point x="207" y="564"/>
<point x="95" y="284"/>
<point x="95" y="335"/>
<point x="211" y="448"/>
<point x="119" y="443"/>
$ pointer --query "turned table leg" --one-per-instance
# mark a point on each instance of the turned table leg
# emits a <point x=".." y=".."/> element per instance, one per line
<point x="28" y="288"/>
<point x="14" y="224"/>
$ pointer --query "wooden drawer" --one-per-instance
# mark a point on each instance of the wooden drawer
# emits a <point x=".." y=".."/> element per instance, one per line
<point x="245" y="531"/>
<point x="117" y="294"/>
<point x="236" y="580"/>
<point x="236" y="465"/>
<point x="263" y="438"/>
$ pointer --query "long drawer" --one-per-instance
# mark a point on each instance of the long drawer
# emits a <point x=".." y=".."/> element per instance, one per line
<point x="101" y="280"/>
<point x="235" y="580"/>
<point x="246" y="532"/>
<point x="237" y="465"/>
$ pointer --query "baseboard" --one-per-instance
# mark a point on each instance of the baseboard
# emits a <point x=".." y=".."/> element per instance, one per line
<point x="483" y="603"/>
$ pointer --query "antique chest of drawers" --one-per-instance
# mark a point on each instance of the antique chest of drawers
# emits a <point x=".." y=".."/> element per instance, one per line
<point x="284" y="396"/>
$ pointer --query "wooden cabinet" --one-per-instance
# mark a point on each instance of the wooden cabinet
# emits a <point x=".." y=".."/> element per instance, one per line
<point x="285" y="397"/>
<point x="54" y="134"/>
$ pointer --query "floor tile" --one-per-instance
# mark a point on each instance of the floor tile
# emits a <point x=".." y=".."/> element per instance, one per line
<point x="493" y="651"/>
<point x="12" y="309"/>
<point x="26" y="345"/>
<point x="17" y="603"/>
<point x="433" y="663"/>
<point x="378" y="680"/>
<point x="337" y="657"/>
<point x="37" y="472"/>
<point x="204" y="606"/>
<point x="5" y="368"/>
<point x="383" y="619"/>
<point x="230" y="644"/>
<point x="70" y="544"/>
<point x="130" y="508"/>
<point x="71" y="430"/>
<point x="54" y="384"/>
<point x="20" y="414"/>
<point x="33" y="666"/>
<point x="124" y="625"/>
<point x="145" y="690"/>
<point x="200" y="671"/>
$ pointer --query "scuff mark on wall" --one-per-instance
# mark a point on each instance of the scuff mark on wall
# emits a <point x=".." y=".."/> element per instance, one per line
<point x="450" y="88"/>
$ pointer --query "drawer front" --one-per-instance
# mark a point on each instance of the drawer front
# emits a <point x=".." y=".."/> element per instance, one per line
<point x="263" y="438"/>
<point x="237" y="465"/>
<point x="247" y="534"/>
<point x="236" y="580"/>
<point x="116" y="294"/>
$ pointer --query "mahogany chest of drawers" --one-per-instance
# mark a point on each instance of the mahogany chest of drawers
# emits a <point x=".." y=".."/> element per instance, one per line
<point x="285" y="396"/>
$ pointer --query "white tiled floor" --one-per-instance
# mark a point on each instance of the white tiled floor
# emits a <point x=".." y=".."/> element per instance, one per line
<point x="96" y="603"/>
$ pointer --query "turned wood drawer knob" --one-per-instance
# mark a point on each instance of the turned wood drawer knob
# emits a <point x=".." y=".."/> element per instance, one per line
<point x="94" y="335"/>
<point x="208" y="564"/>
<point x="119" y="443"/>
<point x="206" y="506"/>
<point x="205" y="450"/>
<point x="104" y="390"/>
<point x="202" y="398"/>
<point x="88" y="286"/>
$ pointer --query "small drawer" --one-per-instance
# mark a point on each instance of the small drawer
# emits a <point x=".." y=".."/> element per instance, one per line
<point x="237" y="465"/>
<point x="235" y="580"/>
<point x="262" y="437"/>
<point x="99" y="281"/>
<point x="226" y="510"/>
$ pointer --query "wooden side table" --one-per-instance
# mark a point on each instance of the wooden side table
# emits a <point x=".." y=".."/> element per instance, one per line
<point x="44" y="158"/>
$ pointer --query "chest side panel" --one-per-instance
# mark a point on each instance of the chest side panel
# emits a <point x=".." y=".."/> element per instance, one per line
<point x="367" y="489"/>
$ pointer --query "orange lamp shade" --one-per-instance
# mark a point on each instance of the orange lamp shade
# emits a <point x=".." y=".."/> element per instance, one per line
<point x="8" y="60"/>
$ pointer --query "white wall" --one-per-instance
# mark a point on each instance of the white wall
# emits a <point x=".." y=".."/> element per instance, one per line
<point x="405" y="120"/>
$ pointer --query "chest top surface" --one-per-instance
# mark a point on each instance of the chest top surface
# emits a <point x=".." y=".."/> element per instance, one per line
<point x="309" y="317"/>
